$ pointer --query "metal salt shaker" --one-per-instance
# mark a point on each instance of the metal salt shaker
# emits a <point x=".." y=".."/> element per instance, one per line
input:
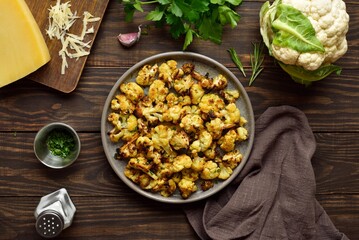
<point x="54" y="213"/>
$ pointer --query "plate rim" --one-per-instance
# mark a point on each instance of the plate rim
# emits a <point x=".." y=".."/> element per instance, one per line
<point x="177" y="55"/>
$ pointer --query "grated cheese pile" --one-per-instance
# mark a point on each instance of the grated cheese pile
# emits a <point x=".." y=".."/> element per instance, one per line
<point x="61" y="19"/>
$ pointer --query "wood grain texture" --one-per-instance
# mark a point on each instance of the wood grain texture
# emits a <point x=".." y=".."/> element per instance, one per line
<point x="114" y="218"/>
<point x="107" y="208"/>
<point x="330" y="105"/>
<point x="50" y="74"/>
<point x="99" y="218"/>
<point x="335" y="164"/>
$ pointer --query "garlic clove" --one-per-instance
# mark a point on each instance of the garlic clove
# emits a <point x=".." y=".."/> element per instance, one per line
<point x="129" y="39"/>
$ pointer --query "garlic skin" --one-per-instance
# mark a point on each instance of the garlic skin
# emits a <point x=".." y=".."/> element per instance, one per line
<point x="129" y="39"/>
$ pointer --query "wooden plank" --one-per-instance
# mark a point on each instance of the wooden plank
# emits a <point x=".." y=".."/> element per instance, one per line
<point x="100" y="218"/>
<point x="118" y="218"/>
<point x="330" y="105"/>
<point x="335" y="164"/>
<point x="343" y="211"/>
<point x="50" y="74"/>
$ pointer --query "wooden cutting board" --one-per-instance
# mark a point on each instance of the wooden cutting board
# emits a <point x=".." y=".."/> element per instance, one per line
<point x="50" y="74"/>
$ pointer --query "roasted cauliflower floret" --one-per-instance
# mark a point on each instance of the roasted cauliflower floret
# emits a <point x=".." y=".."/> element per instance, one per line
<point x="183" y="85"/>
<point x="207" y="184"/>
<point x="132" y="91"/>
<point x="196" y="92"/>
<point x="230" y="95"/>
<point x="181" y="162"/>
<point x="172" y="99"/>
<point x="228" y="141"/>
<point x="176" y="177"/>
<point x="144" y="180"/>
<point x="190" y="174"/>
<point x="225" y="171"/>
<point x="153" y="114"/>
<point x="203" y="142"/>
<point x="191" y="123"/>
<point x="180" y="140"/>
<point x="172" y="64"/>
<point x="211" y="170"/>
<point x="122" y="104"/>
<point x="125" y="126"/>
<point x="132" y="123"/>
<point x="204" y="81"/>
<point x="147" y="75"/>
<point x="161" y="136"/>
<point x="137" y="176"/>
<point x="145" y="145"/>
<point x="198" y="164"/>
<point x="154" y="155"/>
<point x="232" y="159"/>
<point x="184" y="100"/>
<point x="158" y="91"/>
<point x="194" y="109"/>
<point x="168" y="71"/>
<point x="188" y="68"/>
<point x="132" y="174"/>
<point x="169" y="188"/>
<point x="141" y="163"/>
<point x="216" y="126"/>
<point x="173" y="114"/>
<point x="142" y="126"/>
<point x="220" y="82"/>
<point x="156" y="185"/>
<point x="128" y="150"/>
<point x="211" y="103"/>
<point x="186" y="188"/>
<point x="231" y="114"/>
<point x="242" y="121"/>
<point x="211" y="152"/>
<point x="164" y="170"/>
<point x="242" y="134"/>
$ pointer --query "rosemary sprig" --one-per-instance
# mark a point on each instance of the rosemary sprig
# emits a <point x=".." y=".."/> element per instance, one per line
<point x="257" y="58"/>
<point x="236" y="60"/>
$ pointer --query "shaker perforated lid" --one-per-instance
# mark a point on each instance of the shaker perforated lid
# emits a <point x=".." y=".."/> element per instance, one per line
<point x="49" y="224"/>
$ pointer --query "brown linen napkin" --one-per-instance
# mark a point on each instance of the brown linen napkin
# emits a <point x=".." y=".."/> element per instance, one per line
<point x="274" y="195"/>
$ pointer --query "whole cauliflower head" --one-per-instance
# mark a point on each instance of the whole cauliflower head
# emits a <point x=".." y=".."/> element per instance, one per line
<point x="297" y="43"/>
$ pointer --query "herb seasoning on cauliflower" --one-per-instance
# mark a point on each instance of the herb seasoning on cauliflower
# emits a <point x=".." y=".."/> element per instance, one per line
<point x="178" y="128"/>
<point x="305" y="36"/>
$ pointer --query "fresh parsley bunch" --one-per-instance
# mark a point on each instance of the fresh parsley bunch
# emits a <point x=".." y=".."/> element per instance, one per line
<point x="204" y="19"/>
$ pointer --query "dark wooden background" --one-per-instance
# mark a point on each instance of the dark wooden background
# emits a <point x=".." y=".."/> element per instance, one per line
<point x="107" y="208"/>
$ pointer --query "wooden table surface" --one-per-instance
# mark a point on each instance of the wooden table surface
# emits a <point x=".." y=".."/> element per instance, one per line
<point x="106" y="207"/>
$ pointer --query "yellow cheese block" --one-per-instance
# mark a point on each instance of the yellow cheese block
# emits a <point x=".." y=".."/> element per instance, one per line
<point x="22" y="46"/>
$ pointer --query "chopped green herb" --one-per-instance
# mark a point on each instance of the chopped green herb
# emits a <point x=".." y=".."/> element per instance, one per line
<point x="236" y="60"/>
<point x="60" y="143"/>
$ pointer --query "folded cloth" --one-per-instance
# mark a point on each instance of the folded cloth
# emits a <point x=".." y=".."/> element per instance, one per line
<point x="273" y="197"/>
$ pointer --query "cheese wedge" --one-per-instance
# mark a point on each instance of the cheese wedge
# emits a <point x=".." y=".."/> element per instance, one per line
<point x="22" y="47"/>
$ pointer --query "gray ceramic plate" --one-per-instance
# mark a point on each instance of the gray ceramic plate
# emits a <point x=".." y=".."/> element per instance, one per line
<point x="203" y="65"/>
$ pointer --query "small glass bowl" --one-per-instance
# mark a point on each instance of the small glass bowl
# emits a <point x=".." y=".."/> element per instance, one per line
<point x="44" y="154"/>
